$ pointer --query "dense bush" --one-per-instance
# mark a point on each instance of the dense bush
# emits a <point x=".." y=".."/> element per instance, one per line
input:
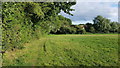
<point x="92" y="29"/>
<point x="66" y="30"/>
<point x="17" y="26"/>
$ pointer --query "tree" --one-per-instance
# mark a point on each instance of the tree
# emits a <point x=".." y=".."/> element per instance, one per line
<point x="25" y="21"/>
<point x="88" y="26"/>
<point x="118" y="27"/>
<point x="106" y="25"/>
<point x="80" y="29"/>
<point x="114" y="27"/>
<point x="61" y="23"/>
<point x="92" y="29"/>
<point x="67" y="30"/>
<point x="101" y="24"/>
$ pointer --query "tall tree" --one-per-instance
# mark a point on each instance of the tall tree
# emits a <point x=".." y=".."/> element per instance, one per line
<point x="101" y="24"/>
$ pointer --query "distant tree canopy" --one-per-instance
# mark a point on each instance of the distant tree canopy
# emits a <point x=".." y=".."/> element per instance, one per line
<point x="100" y="25"/>
<point x="104" y="25"/>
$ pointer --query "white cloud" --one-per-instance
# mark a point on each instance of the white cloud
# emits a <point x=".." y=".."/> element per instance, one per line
<point x="86" y="11"/>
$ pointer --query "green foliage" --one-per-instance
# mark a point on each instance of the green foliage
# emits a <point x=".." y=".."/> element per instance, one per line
<point x="88" y="26"/>
<point x="66" y="30"/>
<point x="12" y="26"/>
<point x="61" y="25"/>
<point x="25" y="21"/>
<point x="80" y="29"/>
<point x="92" y="29"/>
<point x="101" y="24"/>
<point x="114" y="27"/>
<point x="104" y="25"/>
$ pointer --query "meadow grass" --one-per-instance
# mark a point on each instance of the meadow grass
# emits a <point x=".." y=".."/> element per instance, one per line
<point x="67" y="50"/>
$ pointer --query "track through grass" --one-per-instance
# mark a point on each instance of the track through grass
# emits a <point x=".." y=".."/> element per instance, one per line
<point x="67" y="50"/>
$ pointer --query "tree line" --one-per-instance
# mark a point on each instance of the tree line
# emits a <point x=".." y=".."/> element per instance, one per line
<point x="100" y="25"/>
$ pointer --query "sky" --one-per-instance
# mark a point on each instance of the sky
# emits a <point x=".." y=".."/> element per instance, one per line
<point x="86" y="11"/>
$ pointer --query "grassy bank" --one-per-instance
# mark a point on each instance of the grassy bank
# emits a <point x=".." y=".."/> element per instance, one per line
<point x="67" y="50"/>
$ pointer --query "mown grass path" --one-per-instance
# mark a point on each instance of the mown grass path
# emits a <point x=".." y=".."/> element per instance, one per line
<point x="67" y="50"/>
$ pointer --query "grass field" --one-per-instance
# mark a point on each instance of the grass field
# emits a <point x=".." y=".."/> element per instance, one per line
<point x="67" y="50"/>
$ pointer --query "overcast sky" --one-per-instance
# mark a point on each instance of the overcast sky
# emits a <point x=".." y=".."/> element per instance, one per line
<point x="86" y="11"/>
